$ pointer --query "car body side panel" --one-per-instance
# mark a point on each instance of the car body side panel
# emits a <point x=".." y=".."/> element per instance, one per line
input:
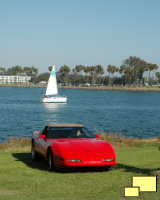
<point x="41" y="145"/>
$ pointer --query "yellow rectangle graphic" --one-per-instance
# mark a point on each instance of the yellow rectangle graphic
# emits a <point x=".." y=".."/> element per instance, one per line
<point x="146" y="183"/>
<point x="131" y="192"/>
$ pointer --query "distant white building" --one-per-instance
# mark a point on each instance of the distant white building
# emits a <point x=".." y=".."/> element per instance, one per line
<point x="14" y="79"/>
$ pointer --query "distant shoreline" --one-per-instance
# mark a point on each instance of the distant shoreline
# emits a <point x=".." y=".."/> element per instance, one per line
<point x="115" y="88"/>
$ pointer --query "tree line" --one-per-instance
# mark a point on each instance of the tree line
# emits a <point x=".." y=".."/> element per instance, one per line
<point x="133" y="71"/>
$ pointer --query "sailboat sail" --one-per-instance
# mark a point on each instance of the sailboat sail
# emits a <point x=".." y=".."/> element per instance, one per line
<point x="52" y="83"/>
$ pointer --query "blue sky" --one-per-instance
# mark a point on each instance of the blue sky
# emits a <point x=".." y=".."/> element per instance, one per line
<point x="41" y="33"/>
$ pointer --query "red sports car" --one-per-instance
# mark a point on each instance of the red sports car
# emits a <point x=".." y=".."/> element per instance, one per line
<point x="71" y="145"/>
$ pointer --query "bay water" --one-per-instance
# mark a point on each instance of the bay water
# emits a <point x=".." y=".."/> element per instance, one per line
<point x="134" y="114"/>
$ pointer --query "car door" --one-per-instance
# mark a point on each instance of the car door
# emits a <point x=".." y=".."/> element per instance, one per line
<point x="41" y="143"/>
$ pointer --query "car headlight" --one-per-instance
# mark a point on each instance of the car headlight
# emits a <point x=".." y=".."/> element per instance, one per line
<point x="107" y="160"/>
<point x="73" y="160"/>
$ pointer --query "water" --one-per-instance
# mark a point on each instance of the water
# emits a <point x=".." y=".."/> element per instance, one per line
<point x="133" y="114"/>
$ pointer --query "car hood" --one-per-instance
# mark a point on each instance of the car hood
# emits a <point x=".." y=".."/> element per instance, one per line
<point x="78" y="148"/>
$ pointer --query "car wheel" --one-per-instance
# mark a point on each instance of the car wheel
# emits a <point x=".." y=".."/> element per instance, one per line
<point x="33" y="152"/>
<point x="50" y="161"/>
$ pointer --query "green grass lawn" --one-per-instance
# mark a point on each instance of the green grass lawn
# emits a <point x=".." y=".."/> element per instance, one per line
<point x="21" y="178"/>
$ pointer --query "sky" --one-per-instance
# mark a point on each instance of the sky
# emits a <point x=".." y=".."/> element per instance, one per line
<point x="42" y="33"/>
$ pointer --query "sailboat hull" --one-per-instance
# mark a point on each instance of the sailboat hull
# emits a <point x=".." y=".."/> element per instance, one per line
<point x="54" y="100"/>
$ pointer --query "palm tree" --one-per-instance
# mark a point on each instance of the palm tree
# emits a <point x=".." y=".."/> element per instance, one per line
<point x="158" y="76"/>
<point x="34" y="70"/>
<point x="128" y="73"/>
<point x="155" y="67"/>
<point x="109" y="69"/>
<point x="148" y="72"/>
<point x="92" y="71"/>
<point x="79" y="68"/>
<point x="100" y="70"/>
<point x="27" y="71"/>
<point x="121" y="71"/>
<point x="151" y="67"/>
<point x="16" y="70"/>
<point x="34" y="73"/>
<point x="114" y="69"/>
<point x="87" y="71"/>
<point x="64" y="71"/>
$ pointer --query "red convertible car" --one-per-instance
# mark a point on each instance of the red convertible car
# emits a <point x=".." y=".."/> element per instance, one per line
<point x="71" y="145"/>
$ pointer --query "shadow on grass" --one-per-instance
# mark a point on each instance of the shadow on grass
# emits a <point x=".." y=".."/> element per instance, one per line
<point x="43" y="165"/>
<point x="26" y="158"/>
<point x="133" y="169"/>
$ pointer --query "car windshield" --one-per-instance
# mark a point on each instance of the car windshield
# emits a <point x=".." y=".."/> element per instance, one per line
<point x="68" y="132"/>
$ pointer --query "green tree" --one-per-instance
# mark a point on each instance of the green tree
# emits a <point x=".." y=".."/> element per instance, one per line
<point x="43" y="77"/>
<point x="27" y="71"/>
<point x="79" y="68"/>
<point x="16" y="70"/>
<point x="114" y="69"/>
<point x="155" y="67"/>
<point x="122" y="71"/>
<point x="87" y="69"/>
<point x="87" y="74"/>
<point x="94" y="71"/>
<point x="34" y="73"/>
<point x="100" y="70"/>
<point x="2" y="70"/>
<point x="158" y="76"/>
<point x="151" y="68"/>
<point x="138" y="66"/>
<point x="50" y="68"/>
<point x="64" y="71"/>
<point x="34" y="70"/>
<point x="111" y="69"/>
<point x="128" y="74"/>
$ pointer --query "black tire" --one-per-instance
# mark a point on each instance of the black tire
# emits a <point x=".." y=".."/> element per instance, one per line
<point x="33" y="152"/>
<point x="50" y="161"/>
<point x="108" y="168"/>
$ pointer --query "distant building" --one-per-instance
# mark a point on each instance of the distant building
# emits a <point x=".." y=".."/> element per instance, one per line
<point x="14" y="79"/>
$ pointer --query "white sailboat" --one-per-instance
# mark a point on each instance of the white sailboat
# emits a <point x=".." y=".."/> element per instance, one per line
<point x="51" y="95"/>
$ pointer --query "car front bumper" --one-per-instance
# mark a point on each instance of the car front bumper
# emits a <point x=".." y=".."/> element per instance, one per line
<point x="84" y="163"/>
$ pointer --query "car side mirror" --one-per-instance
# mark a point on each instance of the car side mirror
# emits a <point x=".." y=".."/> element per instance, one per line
<point x="97" y="136"/>
<point x="42" y="136"/>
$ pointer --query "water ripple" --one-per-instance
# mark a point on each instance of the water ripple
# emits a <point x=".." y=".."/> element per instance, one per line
<point x="134" y="114"/>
